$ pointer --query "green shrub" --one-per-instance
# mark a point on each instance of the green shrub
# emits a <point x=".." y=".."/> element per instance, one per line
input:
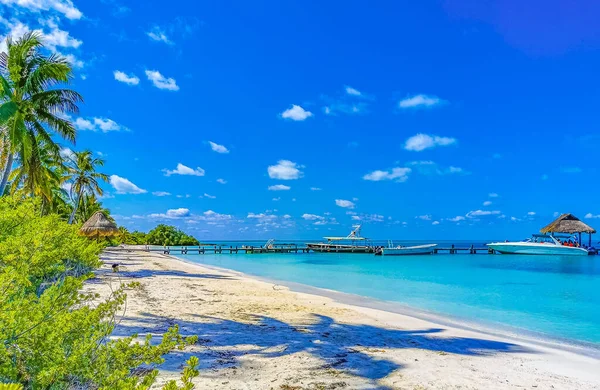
<point x="53" y="336"/>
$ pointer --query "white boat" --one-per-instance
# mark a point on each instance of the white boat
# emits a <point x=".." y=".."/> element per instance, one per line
<point x="346" y="244"/>
<point x="539" y="244"/>
<point x="400" y="250"/>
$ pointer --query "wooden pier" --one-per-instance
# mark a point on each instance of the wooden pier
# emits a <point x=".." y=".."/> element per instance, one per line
<point x="227" y="249"/>
<point x="470" y="250"/>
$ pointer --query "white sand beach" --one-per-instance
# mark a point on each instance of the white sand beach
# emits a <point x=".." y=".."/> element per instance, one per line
<point x="258" y="335"/>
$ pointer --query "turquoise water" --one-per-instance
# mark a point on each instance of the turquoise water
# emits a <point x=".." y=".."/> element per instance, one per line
<point x="555" y="296"/>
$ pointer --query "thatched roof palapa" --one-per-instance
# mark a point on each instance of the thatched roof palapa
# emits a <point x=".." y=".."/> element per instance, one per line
<point x="568" y="223"/>
<point x="99" y="226"/>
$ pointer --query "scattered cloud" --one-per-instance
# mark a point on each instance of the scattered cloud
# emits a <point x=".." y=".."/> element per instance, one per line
<point x="184" y="170"/>
<point x="161" y="193"/>
<point x="591" y="216"/>
<point x="458" y="218"/>
<point x="368" y="218"/>
<point x="66" y="153"/>
<point x="279" y="187"/>
<point x="315" y="189"/>
<point x="398" y="174"/>
<point x="435" y="222"/>
<point x="209" y="196"/>
<point x="125" y="78"/>
<point x="493" y="195"/>
<point x="420" y="101"/>
<point x="482" y="213"/>
<point x="159" y="35"/>
<point x="162" y="82"/>
<point x="352" y="91"/>
<point x="221" y="181"/>
<point x="296" y="113"/>
<point x="312" y="217"/>
<point x="173" y="214"/>
<point x="124" y="186"/>
<point x="431" y="168"/>
<point x="285" y="170"/>
<point x="487" y="203"/>
<point x="420" y="142"/>
<point x="531" y="213"/>
<point x="425" y="217"/>
<point x="276" y="199"/>
<point x="218" y="148"/>
<point x="345" y="203"/>
<point x="64" y="7"/>
<point x="104" y="125"/>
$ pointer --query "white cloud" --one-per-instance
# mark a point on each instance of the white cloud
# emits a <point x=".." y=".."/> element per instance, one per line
<point x="435" y="222"/>
<point x="218" y="148"/>
<point x="458" y="218"/>
<point x="262" y="217"/>
<point x="184" y="170"/>
<point x="493" y="195"/>
<point x="397" y="174"/>
<point x="173" y="214"/>
<point x="124" y="186"/>
<point x="420" y="142"/>
<point x="487" y="203"/>
<point x="98" y="124"/>
<point x="345" y="203"/>
<point x="590" y="216"/>
<point x="514" y="219"/>
<point x="221" y="181"/>
<point x="66" y="153"/>
<point x="285" y="170"/>
<point x="127" y="79"/>
<point x="276" y="199"/>
<point x="296" y="113"/>
<point x="209" y="196"/>
<point x="161" y="193"/>
<point x="418" y="101"/>
<point x="352" y="91"/>
<point x="158" y="34"/>
<point x="315" y="189"/>
<point x="162" y="82"/>
<point x="212" y="216"/>
<point x="482" y="213"/>
<point x="279" y="187"/>
<point x="65" y="7"/>
<point x="425" y="217"/>
<point x="531" y="213"/>
<point x="312" y="217"/>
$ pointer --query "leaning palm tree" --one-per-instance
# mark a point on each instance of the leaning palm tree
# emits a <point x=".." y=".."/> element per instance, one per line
<point x="32" y="107"/>
<point x="84" y="178"/>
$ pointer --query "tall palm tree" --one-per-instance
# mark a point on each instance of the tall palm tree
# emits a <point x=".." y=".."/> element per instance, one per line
<point x="32" y="107"/>
<point x="84" y="178"/>
<point x="41" y="175"/>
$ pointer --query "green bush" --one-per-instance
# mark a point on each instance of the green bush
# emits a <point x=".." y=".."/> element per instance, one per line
<point x="53" y="336"/>
<point x="169" y="235"/>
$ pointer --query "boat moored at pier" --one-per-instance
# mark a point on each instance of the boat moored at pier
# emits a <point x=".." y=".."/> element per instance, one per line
<point x="352" y="243"/>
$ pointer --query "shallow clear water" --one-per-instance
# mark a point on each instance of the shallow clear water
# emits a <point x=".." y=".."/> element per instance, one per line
<point x="556" y="296"/>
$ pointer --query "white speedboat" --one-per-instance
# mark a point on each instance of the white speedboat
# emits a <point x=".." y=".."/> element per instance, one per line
<point x="400" y="250"/>
<point x="539" y="244"/>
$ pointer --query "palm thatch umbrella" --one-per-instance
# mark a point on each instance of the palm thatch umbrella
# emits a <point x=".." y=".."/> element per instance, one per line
<point x="99" y="226"/>
<point x="570" y="224"/>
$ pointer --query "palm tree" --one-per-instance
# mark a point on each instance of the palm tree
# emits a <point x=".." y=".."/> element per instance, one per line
<point x="41" y="175"/>
<point x="84" y="178"/>
<point x="31" y="107"/>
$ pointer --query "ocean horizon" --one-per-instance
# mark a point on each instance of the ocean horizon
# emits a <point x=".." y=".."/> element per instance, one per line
<point x="550" y="297"/>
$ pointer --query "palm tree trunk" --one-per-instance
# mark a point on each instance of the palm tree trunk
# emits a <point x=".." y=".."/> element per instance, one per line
<point x="72" y="217"/>
<point x="6" y="173"/>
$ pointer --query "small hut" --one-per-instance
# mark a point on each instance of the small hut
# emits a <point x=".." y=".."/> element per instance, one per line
<point x="99" y="226"/>
<point x="569" y="224"/>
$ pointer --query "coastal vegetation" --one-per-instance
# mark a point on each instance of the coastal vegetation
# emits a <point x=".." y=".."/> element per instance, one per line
<point x="54" y="334"/>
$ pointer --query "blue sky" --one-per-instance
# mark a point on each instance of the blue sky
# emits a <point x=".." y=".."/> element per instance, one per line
<point x="250" y="120"/>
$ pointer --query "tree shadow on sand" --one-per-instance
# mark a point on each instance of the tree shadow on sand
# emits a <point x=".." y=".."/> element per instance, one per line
<point x="339" y="345"/>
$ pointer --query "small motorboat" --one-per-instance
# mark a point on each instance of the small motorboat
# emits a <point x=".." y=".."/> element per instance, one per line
<point x="400" y="250"/>
<point x="349" y="244"/>
<point x="538" y="244"/>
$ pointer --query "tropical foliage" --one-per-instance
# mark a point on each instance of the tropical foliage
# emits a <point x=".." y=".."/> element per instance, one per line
<point x="54" y="335"/>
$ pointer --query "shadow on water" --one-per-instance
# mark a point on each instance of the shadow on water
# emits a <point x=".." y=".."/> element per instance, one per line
<point x="342" y="346"/>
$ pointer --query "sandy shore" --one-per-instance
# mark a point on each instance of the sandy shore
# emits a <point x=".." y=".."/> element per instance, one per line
<point x="257" y="335"/>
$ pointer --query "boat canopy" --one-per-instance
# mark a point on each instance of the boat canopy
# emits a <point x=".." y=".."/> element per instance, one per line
<point x="353" y="236"/>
